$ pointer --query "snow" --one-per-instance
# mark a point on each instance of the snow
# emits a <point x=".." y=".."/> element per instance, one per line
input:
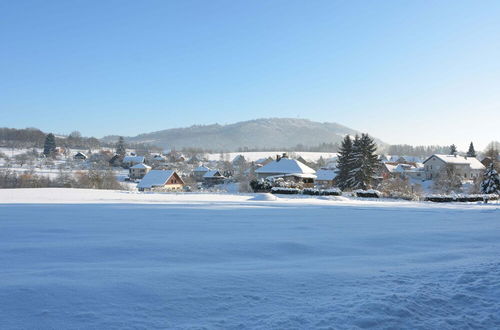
<point x="285" y="166"/>
<point x="325" y="175"/>
<point x="141" y="165"/>
<point x="86" y="259"/>
<point x="155" y="178"/>
<point x="201" y="168"/>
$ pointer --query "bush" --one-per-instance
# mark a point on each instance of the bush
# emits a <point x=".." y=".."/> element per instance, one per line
<point x="285" y="191"/>
<point x="370" y="193"/>
<point x="461" y="198"/>
<point x="322" y="192"/>
<point x="260" y="186"/>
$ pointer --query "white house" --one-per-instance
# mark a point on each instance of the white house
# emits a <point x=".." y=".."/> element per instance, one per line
<point x="138" y="171"/>
<point x="468" y="168"/>
<point x="287" y="168"/>
<point x="161" y="180"/>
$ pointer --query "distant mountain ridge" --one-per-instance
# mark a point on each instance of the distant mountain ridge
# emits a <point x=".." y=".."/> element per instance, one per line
<point x="254" y="134"/>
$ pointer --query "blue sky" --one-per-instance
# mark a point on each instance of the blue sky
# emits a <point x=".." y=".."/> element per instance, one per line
<point x="418" y="72"/>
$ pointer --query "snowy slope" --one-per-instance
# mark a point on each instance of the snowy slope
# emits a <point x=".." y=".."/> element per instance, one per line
<point x="193" y="261"/>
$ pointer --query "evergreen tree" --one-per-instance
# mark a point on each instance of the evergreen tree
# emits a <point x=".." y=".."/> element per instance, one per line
<point x="491" y="181"/>
<point x="120" y="147"/>
<point x="50" y="145"/>
<point x="364" y="162"/>
<point x="453" y="149"/>
<point x="344" y="162"/>
<point x="472" y="151"/>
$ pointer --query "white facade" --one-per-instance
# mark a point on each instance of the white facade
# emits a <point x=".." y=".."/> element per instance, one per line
<point x="468" y="168"/>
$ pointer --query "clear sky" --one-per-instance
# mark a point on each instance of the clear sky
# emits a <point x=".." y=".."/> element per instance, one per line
<point x="417" y="72"/>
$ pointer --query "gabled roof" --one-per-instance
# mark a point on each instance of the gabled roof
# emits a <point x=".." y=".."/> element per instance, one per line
<point x="133" y="159"/>
<point x="155" y="178"/>
<point x="285" y="166"/>
<point x="201" y="168"/>
<point x="459" y="160"/>
<point x="141" y="165"/>
<point x="213" y="174"/>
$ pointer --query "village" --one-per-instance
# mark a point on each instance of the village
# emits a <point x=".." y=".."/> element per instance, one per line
<point x="292" y="173"/>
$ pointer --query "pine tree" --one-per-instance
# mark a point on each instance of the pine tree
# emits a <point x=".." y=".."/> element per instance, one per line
<point x="344" y="163"/>
<point x="453" y="149"/>
<point x="364" y="162"/>
<point x="491" y="181"/>
<point x="472" y="151"/>
<point x="120" y="147"/>
<point x="50" y="145"/>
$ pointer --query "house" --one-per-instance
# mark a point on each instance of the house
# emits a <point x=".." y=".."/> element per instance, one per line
<point x="488" y="160"/>
<point x="287" y="168"/>
<point x="239" y="161"/>
<point x="402" y="170"/>
<point x="212" y="178"/>
<point x="159" y="158"/>
<point x="80" y="156"/>
<point x="159" y="180"/>
<point x="468" y="168"/>
<point x="129" y="161"/>
<point x="138" y="171"/>
<point x="325" y="178"/>
<point x="199" y="172"/>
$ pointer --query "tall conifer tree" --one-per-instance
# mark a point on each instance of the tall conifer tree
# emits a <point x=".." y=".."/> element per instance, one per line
<point x="472" y="151"/>
<point x="344" y="163"/>
<point x="49" y="146"/>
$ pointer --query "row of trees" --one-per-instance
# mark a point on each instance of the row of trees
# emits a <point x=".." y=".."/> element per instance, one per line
<point x="357" y="162"/>
<point x="91" y="179"/>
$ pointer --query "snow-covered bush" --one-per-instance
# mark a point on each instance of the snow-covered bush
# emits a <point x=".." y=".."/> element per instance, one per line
<point x="322" y="192"/>
<point x="370" y="193"/>
<point x="461" y="198"/>
<point x="260" y="186"/>
<point x="285" y="191"/>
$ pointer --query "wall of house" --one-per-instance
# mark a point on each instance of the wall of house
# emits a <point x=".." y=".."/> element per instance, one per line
<point x="434" y="166"/>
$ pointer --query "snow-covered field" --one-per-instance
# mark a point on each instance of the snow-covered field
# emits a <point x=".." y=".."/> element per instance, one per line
<point x="83" y="259"/>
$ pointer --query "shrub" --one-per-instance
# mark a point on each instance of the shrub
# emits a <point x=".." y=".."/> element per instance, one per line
<point x="285" y="191"/>
<point x="370" y="193"/>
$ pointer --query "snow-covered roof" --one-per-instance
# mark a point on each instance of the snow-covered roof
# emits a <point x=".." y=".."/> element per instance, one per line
<point x="141" y="165"/>
<point x="459" y="160"/>
<point x="296" y="175"/>
<point x="286" y="166"/>
<point x="325" y="175"/>
<point x="201" y="168"/>
<point x="155" y="178"/>
<point x="213" y="174"/>
<point x="133" y="159"/>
